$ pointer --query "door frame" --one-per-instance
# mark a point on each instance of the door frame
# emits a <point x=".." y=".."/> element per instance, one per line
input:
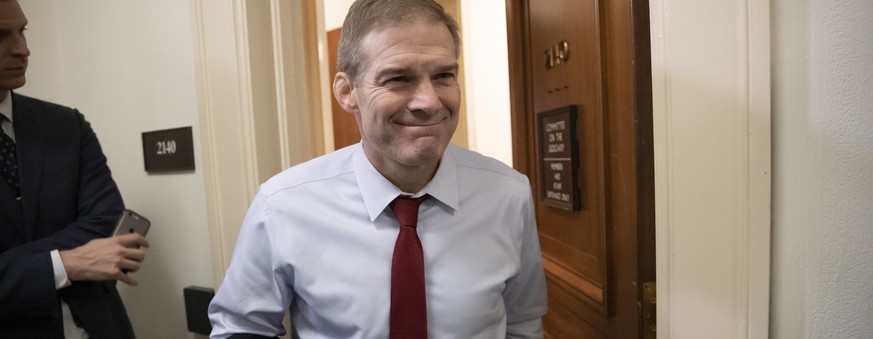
<point x="711" y="93"/>
<point x="249" y="134"/>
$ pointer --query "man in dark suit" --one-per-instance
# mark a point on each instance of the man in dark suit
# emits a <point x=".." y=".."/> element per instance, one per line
<point x="58" y="207"/>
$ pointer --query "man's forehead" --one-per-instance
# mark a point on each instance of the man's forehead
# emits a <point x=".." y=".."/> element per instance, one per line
<point x="420" y="32"/>
<point x="408" y="63"/>
<point x="11" y="14"/>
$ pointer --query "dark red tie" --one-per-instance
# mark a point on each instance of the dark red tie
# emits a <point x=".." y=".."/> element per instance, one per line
<point x="408" y="304"/>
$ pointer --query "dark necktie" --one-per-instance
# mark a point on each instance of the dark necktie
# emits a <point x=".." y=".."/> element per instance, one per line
<point x="8" y="162"/>
<point x="408" y="304"/>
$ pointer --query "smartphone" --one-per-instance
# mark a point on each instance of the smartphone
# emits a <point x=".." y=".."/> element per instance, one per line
<point x="131" y="222"/>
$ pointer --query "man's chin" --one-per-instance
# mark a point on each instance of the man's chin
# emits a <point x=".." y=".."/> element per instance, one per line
<point x="426" y="155"/>
<point x="12" y="84"/>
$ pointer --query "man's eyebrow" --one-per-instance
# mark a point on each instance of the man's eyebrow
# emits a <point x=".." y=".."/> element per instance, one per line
<point x="448" y="68"/>
<point x="9" y="28"/>
<point x="392" y="71"/>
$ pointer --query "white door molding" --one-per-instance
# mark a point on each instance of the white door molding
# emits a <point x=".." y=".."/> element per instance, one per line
<point x="711" y="95"/>
<point x="257" y="116"/>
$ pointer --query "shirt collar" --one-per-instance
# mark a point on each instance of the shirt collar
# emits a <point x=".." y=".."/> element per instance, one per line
<point x="6" y="106"/>
<point x="378" y="192"/>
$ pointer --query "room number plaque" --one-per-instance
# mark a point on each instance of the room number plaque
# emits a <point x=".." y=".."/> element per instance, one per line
<point x="168" y="150"/>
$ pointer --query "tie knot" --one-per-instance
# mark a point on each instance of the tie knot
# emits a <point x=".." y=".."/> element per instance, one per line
<point x="406" y="210"/>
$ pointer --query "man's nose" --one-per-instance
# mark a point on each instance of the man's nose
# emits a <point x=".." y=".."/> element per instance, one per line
<point x="425" y="98"/>
<point x="20" y="46"/>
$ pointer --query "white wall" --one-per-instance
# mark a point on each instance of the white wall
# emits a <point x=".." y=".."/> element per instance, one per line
<point x="129" y="67"/>
<point x="823" y="169"/>
<point x="486" y="65"/>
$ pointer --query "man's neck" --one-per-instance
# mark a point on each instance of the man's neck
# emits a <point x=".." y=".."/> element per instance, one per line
<point x="409" y="179"/>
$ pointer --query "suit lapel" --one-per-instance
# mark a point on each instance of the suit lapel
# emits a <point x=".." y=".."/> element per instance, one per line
<point x="28" y="143"/>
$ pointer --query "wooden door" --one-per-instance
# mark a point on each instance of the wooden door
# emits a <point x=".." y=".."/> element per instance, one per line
<point x="582" y="68"/>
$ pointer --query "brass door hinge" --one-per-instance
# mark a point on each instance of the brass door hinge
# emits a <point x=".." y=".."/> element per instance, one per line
<point x="649" y="307"/>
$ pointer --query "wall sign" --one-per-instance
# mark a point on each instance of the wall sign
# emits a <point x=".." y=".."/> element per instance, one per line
<point x="559" y="158"/>
<point x="168" y="150"/>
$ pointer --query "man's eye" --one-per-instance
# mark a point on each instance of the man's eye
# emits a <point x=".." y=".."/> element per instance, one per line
<point x="445" y="78"/>
<point x="397" y="81"/>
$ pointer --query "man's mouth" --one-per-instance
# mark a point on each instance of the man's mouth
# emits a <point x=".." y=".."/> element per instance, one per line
<point x="421" y="123"/>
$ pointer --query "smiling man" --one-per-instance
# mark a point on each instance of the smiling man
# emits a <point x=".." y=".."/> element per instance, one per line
<point x="402" y="235"/>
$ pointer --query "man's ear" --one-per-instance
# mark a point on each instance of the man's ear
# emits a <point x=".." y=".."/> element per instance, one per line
<point x="342" y="91"/>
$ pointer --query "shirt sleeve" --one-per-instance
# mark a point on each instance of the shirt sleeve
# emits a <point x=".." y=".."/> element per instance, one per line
<point x="253" y="297"/>
<point x="525" y="294"/>
<point x="61" y="278"/>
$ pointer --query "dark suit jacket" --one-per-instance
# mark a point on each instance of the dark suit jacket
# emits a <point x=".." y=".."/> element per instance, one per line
<point x="68" y="197"/>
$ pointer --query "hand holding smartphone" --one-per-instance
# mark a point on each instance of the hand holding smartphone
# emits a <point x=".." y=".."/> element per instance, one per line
<point x="131" y="222"/>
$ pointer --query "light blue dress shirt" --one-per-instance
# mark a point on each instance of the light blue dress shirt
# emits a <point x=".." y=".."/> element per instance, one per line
<point x="318" y="241"/>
